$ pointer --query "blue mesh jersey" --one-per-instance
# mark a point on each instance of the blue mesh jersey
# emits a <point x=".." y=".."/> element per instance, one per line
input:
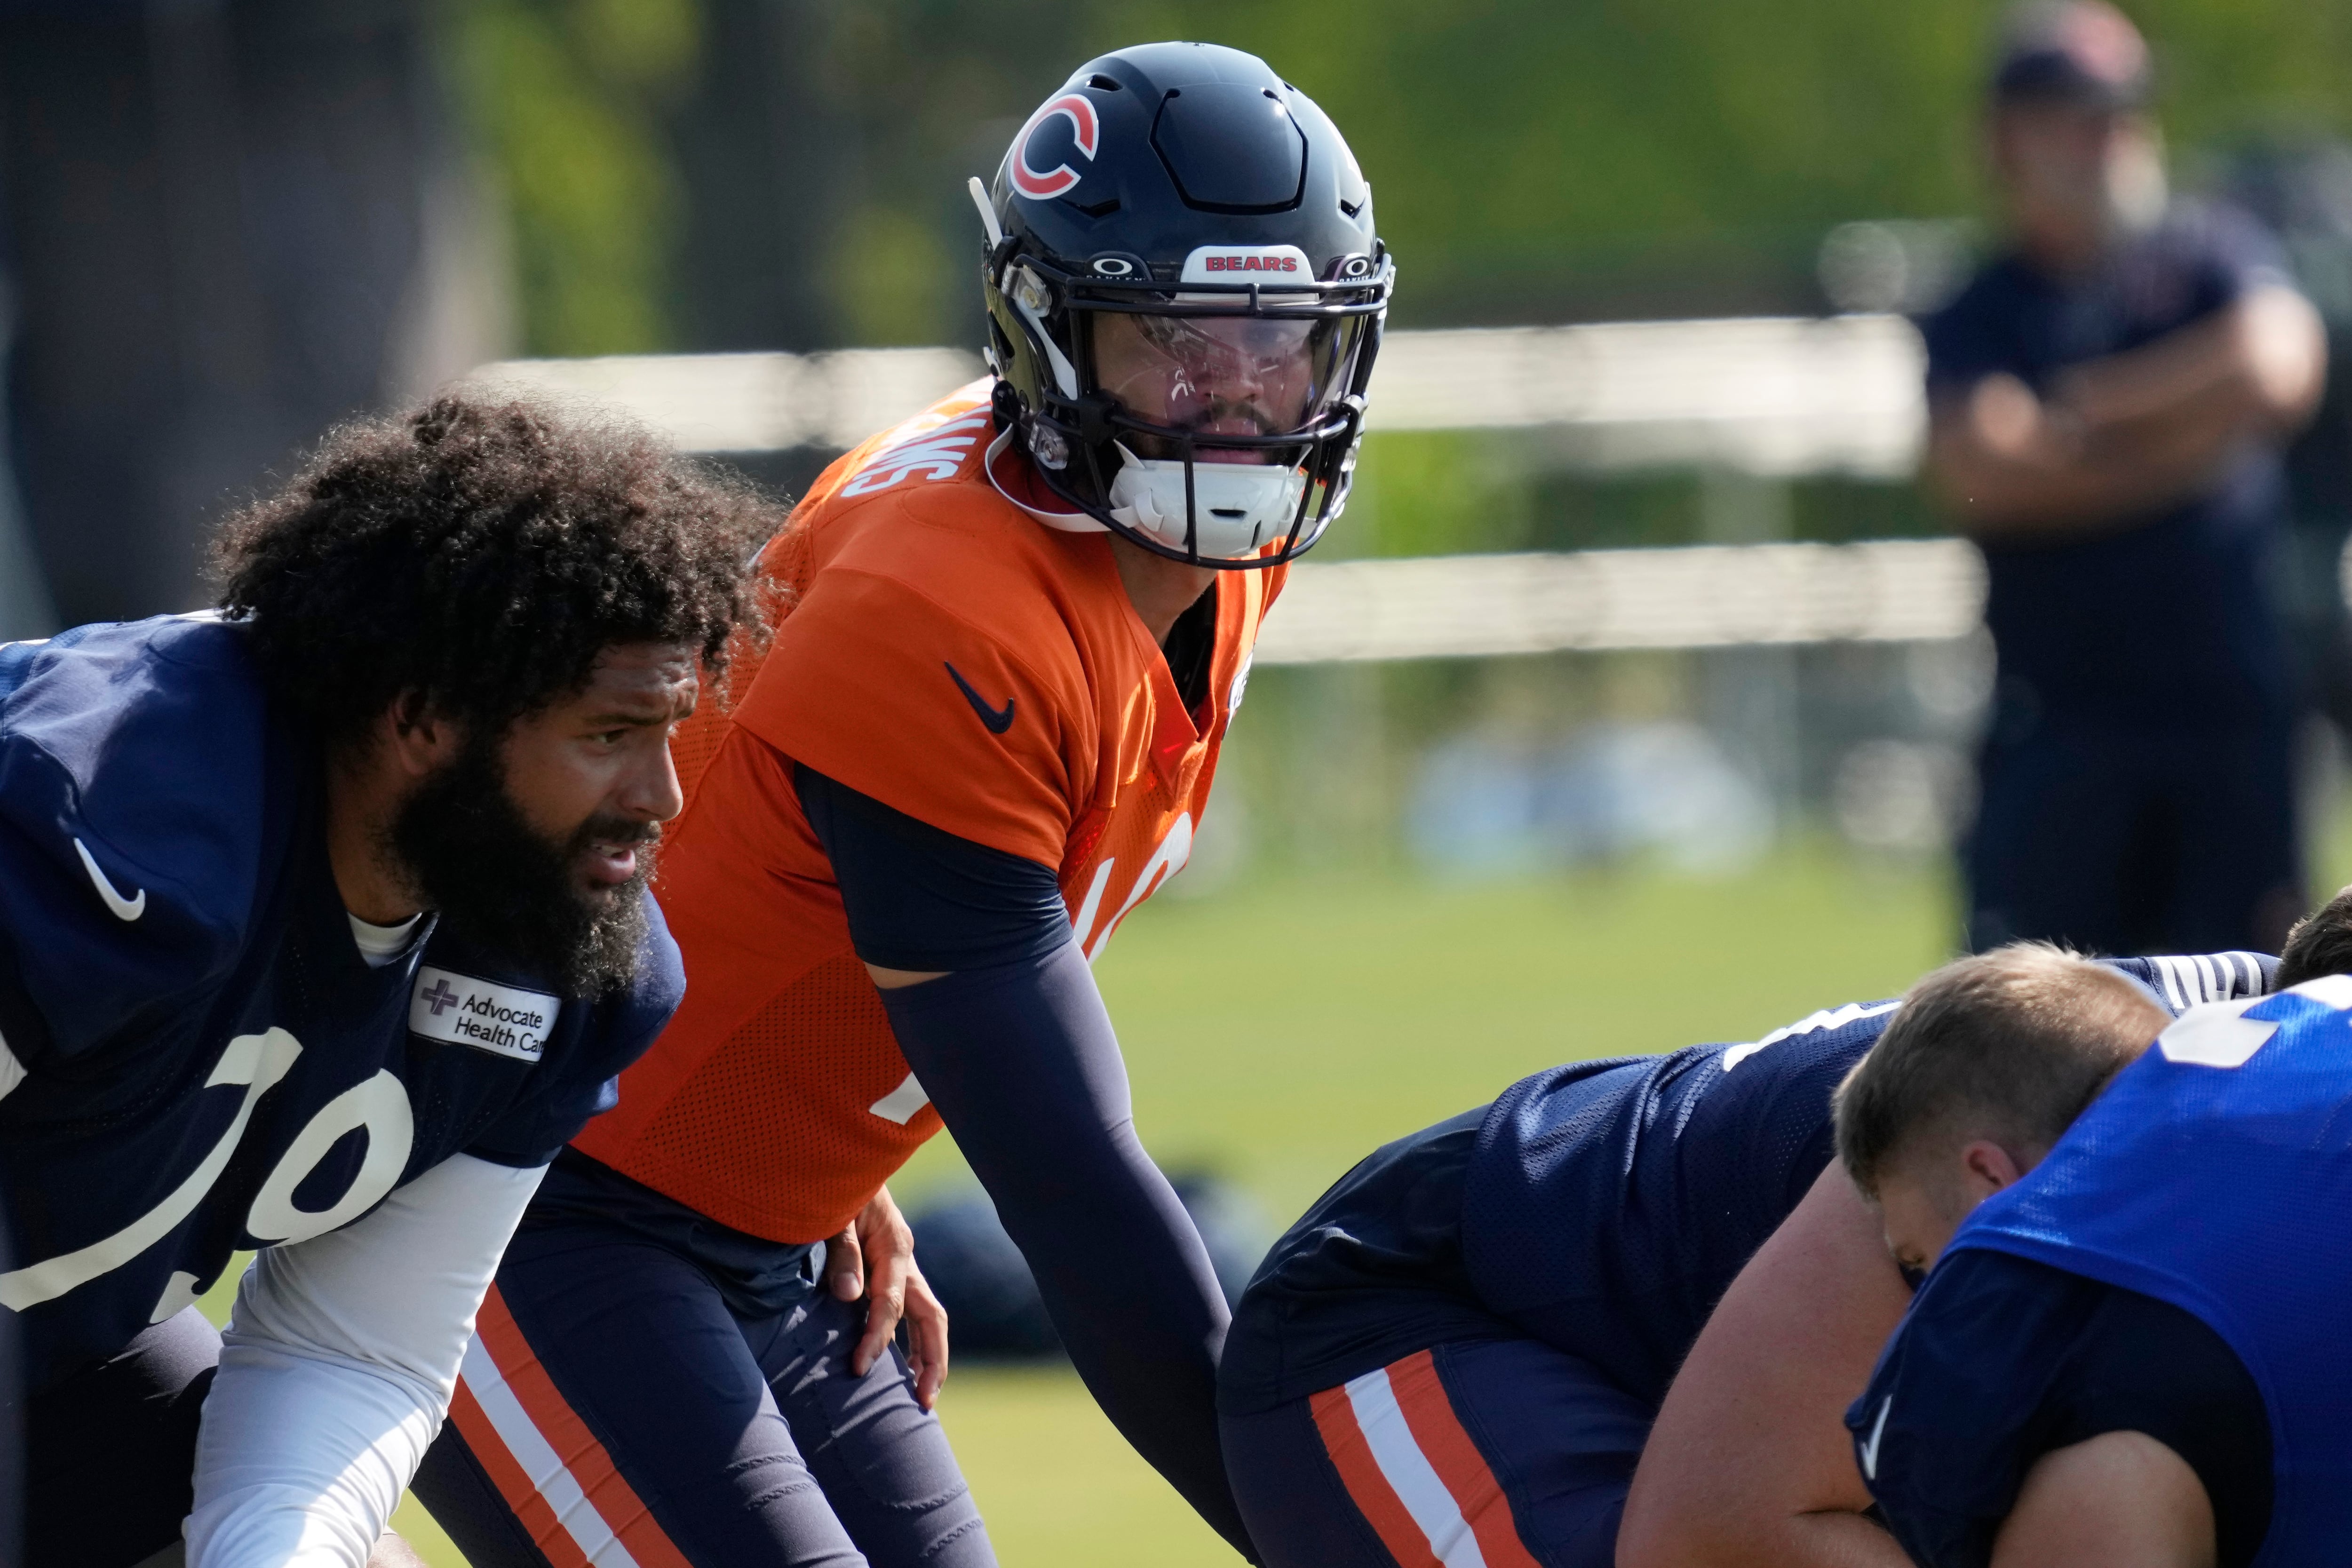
<point x="2213" y="1175"/>
<point x="1602" y="1207"/>
<point x="194" y="1058"/>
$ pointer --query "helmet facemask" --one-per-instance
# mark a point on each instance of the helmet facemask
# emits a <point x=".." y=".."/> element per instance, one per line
<point x="1215" y="423"/>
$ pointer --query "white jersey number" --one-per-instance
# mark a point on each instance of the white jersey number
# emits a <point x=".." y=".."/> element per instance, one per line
<point x="257" y="1063"/>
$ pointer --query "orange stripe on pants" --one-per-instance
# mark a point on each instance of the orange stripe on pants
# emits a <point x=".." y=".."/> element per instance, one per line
<point x="546" y="1531"/>
<point x="1438" y="1432"/>
<point x="575" y="1447"/>
<point x="1369" y="1489"/>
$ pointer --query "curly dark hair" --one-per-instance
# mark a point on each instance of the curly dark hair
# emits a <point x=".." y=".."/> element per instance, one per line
<point x="480" y="554"/>
<point x="2320" y="943"/>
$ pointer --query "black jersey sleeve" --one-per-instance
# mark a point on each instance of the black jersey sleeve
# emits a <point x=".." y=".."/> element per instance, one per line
<point x="923" y="899"/>
<point x="2003" y="1360"/>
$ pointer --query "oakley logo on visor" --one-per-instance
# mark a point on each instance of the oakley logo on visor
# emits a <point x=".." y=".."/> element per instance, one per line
<point x="1244" y="263"/>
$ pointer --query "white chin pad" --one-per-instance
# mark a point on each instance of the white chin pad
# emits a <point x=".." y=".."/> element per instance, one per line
<point x="1241" y="506"/>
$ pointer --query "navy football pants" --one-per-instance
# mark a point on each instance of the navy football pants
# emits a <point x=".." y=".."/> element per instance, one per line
<point x="612" y="1404"/>
<point x="2121" y="841"/>
<point x="110" y="1452"/>
<point x="1509" y="1443"/>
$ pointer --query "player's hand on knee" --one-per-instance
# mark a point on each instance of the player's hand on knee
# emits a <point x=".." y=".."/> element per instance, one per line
<point x="877" y="1258"/>
<point x="858" y="1260"/>
<point x="844" y="1266"/>
<point x="927" y="1337"/>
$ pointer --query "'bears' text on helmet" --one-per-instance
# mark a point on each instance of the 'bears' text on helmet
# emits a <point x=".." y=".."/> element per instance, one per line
<point x="1185" y="296"/>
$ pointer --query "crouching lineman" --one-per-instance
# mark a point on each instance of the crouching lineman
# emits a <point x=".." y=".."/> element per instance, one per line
<point x="1466" y="1342"/>
<point x="1021" y="622"/>
<point x="323" y="923"/>
<point x="2130" y="1349"/>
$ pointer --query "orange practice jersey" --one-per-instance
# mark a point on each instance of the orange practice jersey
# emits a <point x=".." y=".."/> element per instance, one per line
<point x="778" y="1102"/>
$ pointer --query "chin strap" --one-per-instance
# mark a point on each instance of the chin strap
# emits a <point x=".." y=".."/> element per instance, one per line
<point x="1062" y="521"/>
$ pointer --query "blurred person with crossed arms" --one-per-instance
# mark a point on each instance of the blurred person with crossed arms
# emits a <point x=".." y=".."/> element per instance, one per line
<point x="2107" y="404"/>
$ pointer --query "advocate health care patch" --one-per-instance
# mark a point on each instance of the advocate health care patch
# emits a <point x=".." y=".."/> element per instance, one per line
<point x="459" y="1010"/>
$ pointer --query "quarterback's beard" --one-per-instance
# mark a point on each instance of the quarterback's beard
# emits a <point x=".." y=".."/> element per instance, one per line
<point x="500" y="885"/>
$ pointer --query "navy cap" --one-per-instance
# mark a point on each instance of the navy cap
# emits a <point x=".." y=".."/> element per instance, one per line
<point x="2082" y="52"/>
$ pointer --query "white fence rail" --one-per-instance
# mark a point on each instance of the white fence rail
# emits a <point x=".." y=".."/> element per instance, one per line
<point x="1708" y="596"/>
<point x="1772" y="396"/>
<point x="750" y="403"/>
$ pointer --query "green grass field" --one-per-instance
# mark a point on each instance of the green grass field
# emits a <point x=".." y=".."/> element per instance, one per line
<point x="1278" y="1032"/>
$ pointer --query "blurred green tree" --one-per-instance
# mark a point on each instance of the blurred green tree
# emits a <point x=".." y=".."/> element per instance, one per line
<point x="564" y="99"/>
<point x="1533" y="159"/>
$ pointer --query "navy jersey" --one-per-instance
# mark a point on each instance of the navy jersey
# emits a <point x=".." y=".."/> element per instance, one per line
<point x="1584" y="1198"/>
<point x="1602" y="1207"/>
<point x="194" y="1057"/>
<point x="2169" y="621"/>
<point x="2010" y="1359"/>
<point x="1608" y="1207"/>
<point x="2212" y="1175"/>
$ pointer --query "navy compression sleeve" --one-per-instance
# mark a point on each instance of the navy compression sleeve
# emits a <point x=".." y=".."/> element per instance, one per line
<point x="1016" y="1049"/>
<point x="922" y="898"/>
<point x="1024" y="1069"/>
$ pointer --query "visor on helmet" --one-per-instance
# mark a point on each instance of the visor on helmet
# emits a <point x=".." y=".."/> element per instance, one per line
<point x="1212" y="422"/>
<point x="1202" y="376"/>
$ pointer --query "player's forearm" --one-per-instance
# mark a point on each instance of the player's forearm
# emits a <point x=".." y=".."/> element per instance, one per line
<point x="1747" y="1465"/>
<point x="2121" y="1499"/>
<point x="337" y="1368"/>
<point x="1142" y="1320"/>
<point x="1025" y="1072"/>
<point x="1826" y="1541"/>
<point x="301" y="1462"/>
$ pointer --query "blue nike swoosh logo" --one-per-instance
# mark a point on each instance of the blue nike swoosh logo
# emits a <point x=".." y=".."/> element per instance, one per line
<point x="997" y="722"/>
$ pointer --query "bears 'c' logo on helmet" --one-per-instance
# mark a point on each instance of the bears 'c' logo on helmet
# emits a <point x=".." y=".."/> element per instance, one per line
<point x="1061" y="177"/>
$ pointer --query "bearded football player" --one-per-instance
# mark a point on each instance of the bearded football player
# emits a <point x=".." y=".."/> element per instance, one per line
<point x="324" y="924"/>
<point x="1019" y="627"/>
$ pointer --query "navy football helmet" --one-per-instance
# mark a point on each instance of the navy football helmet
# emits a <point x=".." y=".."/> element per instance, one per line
<point x="1185" y="295"/>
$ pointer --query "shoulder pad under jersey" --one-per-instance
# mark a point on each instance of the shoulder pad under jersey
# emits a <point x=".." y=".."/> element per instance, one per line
<point x="138" y="773"/>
